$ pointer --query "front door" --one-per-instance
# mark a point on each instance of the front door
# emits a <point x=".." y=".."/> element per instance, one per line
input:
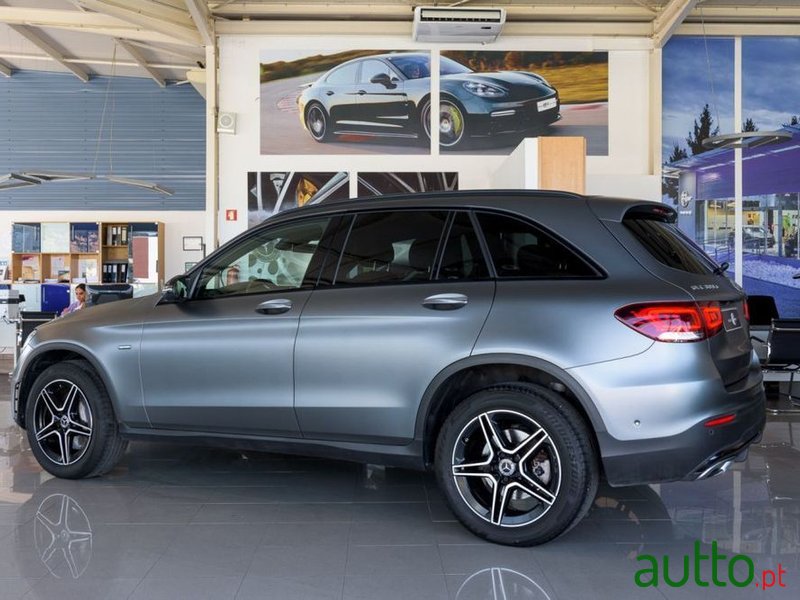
<point x="222" y="360"/>
<point x="371" y="343"/>
<point x="383" y="105"/>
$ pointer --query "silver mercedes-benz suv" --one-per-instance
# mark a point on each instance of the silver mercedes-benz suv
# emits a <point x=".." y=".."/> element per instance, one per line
<point x="521" y="344"/>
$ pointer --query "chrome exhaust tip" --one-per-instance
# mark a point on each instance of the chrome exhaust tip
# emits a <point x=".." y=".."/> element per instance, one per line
<point x="717" y="468"/>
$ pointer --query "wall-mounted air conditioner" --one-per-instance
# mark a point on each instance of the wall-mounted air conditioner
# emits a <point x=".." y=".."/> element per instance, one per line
<point x="458" y="24"/>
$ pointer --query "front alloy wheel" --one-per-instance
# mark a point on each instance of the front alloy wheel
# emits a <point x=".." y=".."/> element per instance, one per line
<point x="62" y="423"/>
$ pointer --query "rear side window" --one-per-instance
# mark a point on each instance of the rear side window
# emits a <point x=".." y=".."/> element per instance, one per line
<point x="521" y="249"/>
<point x="462" y="257"/>
<point x="670" y="246"/>
<point x="391" y="247"/>
<point x="343" y="75"/>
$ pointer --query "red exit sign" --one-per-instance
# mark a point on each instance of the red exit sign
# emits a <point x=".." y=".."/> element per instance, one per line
<point x="231" y="214"/>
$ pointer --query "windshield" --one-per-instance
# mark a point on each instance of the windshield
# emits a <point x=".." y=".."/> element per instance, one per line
<point x="447" y="66"/>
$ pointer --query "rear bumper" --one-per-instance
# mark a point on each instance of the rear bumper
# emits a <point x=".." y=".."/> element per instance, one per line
<point x="697" y="453"/>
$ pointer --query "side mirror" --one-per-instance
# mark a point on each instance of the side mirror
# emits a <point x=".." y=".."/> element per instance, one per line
<point x="175" y="291"/>
<point x="383" y="79"/>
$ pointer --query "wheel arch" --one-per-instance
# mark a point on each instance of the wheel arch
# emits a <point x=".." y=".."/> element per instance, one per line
<point x="51" y="355"/>
<point x="465" y="377"/>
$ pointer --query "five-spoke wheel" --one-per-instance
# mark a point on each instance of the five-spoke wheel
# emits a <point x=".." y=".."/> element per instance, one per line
<point x="516" y="464"/>
<point x="72" y="429"/>
<point x="62" y="422"/>
<point x="506" y="468"/>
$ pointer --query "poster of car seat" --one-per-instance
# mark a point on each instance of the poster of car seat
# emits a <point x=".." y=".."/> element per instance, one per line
<point x="272" y="192"/>
<point x="382" y="184"/>
<point x="490" y="101"/>
<point x="351" y="102"/>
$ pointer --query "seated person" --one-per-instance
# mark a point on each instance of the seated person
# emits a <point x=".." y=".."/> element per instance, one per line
<point x="80" y="300"/>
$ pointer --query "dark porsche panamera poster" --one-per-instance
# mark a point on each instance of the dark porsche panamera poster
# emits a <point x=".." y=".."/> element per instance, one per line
<point x="490" y="101"/>
<point x="351" y="102"/>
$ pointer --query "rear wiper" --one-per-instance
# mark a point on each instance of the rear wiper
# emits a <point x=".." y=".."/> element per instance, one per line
<point x="721" y="268"/>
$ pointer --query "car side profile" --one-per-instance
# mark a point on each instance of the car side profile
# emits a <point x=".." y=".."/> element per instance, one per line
<point x="519" y="344"/>
<point x="388" y="95"/>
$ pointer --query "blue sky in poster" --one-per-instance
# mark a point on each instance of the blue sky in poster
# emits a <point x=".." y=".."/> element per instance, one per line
<point x="770" y="72"/>
<point x="691" y="79"/>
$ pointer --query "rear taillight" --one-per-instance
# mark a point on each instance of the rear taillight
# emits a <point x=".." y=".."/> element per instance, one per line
<point x="673" y="321"/>
<point x="746" y="307"/>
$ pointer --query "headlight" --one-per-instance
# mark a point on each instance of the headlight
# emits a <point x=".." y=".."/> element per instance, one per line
<point x="483" y="90"/>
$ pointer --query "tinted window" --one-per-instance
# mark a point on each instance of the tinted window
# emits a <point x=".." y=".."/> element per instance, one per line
<point x="277" y="259"/>
<point x="447" y="66"/>
<point x="670" y="246"/>
<point x="370" y="68"/>
<point x="391" y="247"/>
<point x="343" y="75"/>
<point x="414" y="66"/>
<point x="462" y="257"/>
<point x="520" y="249"/>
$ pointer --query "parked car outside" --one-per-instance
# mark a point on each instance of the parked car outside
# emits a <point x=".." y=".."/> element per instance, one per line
<point x="388" y="95"/>
<point x="754" y="238"/>
<point x="517" y="343"/>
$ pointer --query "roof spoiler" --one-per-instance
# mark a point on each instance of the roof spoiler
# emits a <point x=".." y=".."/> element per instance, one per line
<point x="617" y="209"/>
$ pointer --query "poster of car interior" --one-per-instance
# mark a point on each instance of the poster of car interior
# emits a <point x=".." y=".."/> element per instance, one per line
<point x="490" y="101"/>
<point x="351" y="102"/>
<point x="698" y="101"/>
<point x="272" y="192"/>
<point x="382" y="184"/>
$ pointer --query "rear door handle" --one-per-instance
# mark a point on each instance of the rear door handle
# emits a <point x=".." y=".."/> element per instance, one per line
<point x="274" y="307"/>
<point x="445" y="301"/>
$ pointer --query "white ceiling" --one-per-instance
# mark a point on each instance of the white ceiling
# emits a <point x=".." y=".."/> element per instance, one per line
<point x="167" y="41"/>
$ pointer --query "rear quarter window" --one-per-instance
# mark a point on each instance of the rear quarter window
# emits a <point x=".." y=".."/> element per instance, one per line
<point x="670" y="246"/>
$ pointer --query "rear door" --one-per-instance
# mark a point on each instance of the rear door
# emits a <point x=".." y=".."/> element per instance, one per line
<point x="381" y="326"/>
<point x="657" y="243"/>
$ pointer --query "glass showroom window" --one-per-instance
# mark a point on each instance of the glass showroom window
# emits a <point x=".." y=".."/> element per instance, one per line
<point x="700" y="182"/>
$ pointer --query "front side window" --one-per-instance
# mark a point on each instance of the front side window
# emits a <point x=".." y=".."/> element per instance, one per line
<point x="343" y="75"/>
<point x="391" y="247"/>
<point x="521" y="249"/>
<point x="277" y="259"/>
<point x="412" y="66"/>
<point x="371" y="68"/>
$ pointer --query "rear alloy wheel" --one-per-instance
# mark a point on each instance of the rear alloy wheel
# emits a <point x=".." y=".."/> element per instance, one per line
<point x="71" y="426"/>
<point x="317" y="122"/>
<point x="516" y="465"/>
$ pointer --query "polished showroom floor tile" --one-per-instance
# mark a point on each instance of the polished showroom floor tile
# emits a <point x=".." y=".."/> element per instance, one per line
<point x="192" y="522"/>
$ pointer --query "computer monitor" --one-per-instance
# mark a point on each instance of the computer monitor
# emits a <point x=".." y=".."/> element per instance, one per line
<point x="110" y="292"/>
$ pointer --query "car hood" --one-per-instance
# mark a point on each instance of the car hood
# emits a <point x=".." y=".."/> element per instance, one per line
<point x="519" y="84"/>
<point x="114" y="314"/>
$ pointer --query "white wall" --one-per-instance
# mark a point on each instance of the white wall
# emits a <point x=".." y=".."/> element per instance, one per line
<point x="176" y="225"/>
<point x="624" y="172"/>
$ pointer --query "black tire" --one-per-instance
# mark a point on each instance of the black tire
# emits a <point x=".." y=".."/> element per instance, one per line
<point x="555" y="459"/>
<point x="317" y="122"/>
<point x="69" y="405"/>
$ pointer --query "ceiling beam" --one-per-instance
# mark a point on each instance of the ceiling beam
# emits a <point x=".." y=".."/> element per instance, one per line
<point x="178" y="30"/>
<point x="198" y="9"/>
<point x="5" y="69"/>
<point x="142" y="62"/>
<point x="184" y="52"/>
<point x="37" y="40"/>
<point x="15" y="56"/>
<point x="87" y="22"/>
<point x="668" y="20"/>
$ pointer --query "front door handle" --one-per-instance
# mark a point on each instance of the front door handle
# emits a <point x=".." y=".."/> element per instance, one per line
<point x="445" y="301"/>
<point x="361" y="92"/>
<point x="329" y="93"/>
<point x="274" y="307"/>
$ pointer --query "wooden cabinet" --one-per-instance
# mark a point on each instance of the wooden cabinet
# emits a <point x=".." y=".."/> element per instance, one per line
<point x="88" y="252"/>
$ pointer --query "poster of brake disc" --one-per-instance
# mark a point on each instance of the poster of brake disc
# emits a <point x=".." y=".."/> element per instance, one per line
<point x="378" y="101"/>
